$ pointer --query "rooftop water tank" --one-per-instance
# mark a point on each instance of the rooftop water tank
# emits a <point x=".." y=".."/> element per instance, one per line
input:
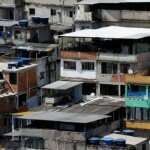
<point x="120" y="142"/>
<point x="13" y="64"/>
<point x="117" y="132"/>
<point x="26" y="61"/>
<point x="107" y="140"/>
<point x="20" y="63"/>
<point x="44" y="21"/>
<point x="23" y="23"/>
<point x="36" y="20"/>
<point x="128" y="132"/>
<point x="94" y="140"/>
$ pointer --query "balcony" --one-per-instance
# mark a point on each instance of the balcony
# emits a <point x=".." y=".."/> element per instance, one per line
<point x="136" y="78"/>
<point x="138" y="125"/>
<point x="111" y="78"/>
<point x="117" y="57"/>
<point x="140" y="102"/>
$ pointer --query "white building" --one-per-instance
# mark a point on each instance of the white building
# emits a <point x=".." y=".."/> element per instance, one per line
<point x="58" y="11"/>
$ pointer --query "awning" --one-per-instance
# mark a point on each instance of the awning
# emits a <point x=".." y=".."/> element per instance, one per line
<point x="111" y="32"/>
<point x="66" y="117"/>
<point x="62" y="85"/>
<point x="93" y="2"/>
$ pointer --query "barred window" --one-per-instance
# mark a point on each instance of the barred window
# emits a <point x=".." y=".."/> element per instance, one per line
<point x="70" y="65"/>
<point x="88" y="66"/>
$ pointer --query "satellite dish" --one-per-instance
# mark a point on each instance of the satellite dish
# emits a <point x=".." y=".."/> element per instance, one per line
<point x="130" y="71"/>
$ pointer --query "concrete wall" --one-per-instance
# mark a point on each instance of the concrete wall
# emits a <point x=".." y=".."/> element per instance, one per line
<point x="78" y="73"/>
<point x="26" y="82"/>
<point x="61" y="17"/>
<point x="42" y="69"/>
<point x="81" y="14"/>
<point x="7" y="2"/>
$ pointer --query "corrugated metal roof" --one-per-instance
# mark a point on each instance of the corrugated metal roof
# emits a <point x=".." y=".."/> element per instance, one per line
<point x="92" y="2"/>
<point x="111" y="32"/>
<point x="64" y="117"/>
<point x="62" y="85"/>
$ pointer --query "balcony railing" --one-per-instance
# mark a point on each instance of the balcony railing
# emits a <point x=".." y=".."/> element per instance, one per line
<point x="117" y="57"/>
<point x="140" y="102"/>
<point x="145" y="125"/>
<point x="111" y="78"/>
<point x="136" y="78"/>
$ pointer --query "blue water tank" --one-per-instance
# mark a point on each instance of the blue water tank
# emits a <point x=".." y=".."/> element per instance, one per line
<point x="128" y="132"/>
<point x="120" y="142"/>
<point x="20" y="63"/>
<point x="23" y="23"/>
<point x="12" y="65"/>
<point x="107" y="140"/>
<point x="9" y="34"/>
<point x="94" y="140"/>
<point x="44" y="21"/>
<point x="36" y="20"/>
<point x="26" y="61"/>
<point x="1" y="34"/>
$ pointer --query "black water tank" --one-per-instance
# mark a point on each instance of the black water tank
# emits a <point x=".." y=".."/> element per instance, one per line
<point x="36" y="20"/>
<point x="23" y="23"/>
<point x="44" y="21"/>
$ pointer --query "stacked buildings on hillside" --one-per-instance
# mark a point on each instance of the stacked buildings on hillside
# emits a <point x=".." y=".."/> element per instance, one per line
<point x="68" y="93"/>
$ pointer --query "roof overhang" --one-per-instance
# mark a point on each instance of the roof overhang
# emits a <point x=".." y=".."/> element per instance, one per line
<point x="94" y="2"/>
<point x="62" y="85"/>
<point x="65" y="117"/>
<point x="111" y="32"/>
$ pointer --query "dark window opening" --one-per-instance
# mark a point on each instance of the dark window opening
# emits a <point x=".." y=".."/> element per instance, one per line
<point x="13" y="78"/>
<point x="32" y="11"/>
<point x="70" y="14"/>
<point x="70" y="65"/>
<point x="124" y="68"/>
<point x="109" y="89"/>
<point x="109" y="68"/>
<point x="88" y="88"/>
<point x="22" y="100"/>
<point x="42" y="75"/>
<point x="53" y="12"/>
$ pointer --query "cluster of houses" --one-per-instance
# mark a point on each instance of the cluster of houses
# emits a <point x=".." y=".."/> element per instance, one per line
<point x="74" y="74"/>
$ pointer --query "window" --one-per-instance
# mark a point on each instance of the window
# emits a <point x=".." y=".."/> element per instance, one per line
<point x="13" y="78"/>
<point x="88" y="66"/>
<point x="22" y="100"/>
<point x="70" y="65"/>
<point x="70" y="14"/>
<point x="53" y="12"/>
<point x="32" y="11"/>
<point x="109" y="68"/>
<point x="124" y="68"/>
<point x="42" y="75"/>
